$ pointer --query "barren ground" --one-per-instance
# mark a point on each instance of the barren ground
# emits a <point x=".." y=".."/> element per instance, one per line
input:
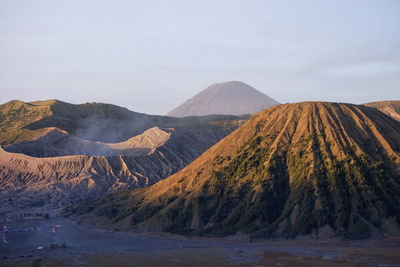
<point x="93" y="247"/>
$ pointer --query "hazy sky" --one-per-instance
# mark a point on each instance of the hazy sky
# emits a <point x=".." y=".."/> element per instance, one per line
<point x="150" y="56"/>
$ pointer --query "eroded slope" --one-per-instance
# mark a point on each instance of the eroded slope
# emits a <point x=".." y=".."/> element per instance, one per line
<point x="309" y="168"/>
<point x="55" y="142"/>
<point x="58" y="181"/>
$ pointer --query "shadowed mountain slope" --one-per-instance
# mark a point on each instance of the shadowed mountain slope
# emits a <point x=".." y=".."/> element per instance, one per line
<point x="235" y="98"/>
<point x="309" y="168"/>
<point x="390" y="108"/>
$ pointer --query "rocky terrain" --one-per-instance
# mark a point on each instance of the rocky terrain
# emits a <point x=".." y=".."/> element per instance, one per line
<point x="55" y="142"/>
<point x="58" y="181"/>
<point x="235" y="98"/>
<point x="89" y="155"/>
<point x="313" y="168"/>
<point x="390" y="108"/>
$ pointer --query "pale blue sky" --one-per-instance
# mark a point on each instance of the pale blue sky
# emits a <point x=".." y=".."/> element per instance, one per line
<point x="150" y="56"/>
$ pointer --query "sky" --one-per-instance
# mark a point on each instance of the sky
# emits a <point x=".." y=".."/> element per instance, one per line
<point x="150" y="56"/>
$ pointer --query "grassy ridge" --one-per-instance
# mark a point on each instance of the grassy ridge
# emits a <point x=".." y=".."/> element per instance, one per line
<point x="15" y="116"/>
<point x="21" y="121"/>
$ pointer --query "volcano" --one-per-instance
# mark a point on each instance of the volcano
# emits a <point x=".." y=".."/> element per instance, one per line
<point x="312" y="168"/>
<point x="233" y="98"/>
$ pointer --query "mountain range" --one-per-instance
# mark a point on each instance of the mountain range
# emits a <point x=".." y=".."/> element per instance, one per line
<point x="20" y="121"/>
<point x="314" y="168"/>
<point x="54" y="153"/>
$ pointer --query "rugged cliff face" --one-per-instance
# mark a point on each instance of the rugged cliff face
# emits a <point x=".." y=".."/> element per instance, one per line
<point x="58" y="181"/>
<point x="314" y="168"/>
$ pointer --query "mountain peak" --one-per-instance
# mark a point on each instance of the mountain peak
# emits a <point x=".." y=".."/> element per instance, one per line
<point x="233" y="97"/>
<point x="228" y="84"/>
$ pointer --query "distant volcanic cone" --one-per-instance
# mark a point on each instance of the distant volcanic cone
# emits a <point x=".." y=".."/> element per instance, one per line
<point x="234" y="98"/>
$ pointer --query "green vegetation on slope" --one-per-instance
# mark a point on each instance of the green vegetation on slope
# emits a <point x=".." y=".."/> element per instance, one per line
<point x="15" y="116"/>
<point x="308" y="168"/>
<point x="21" y="121"/>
